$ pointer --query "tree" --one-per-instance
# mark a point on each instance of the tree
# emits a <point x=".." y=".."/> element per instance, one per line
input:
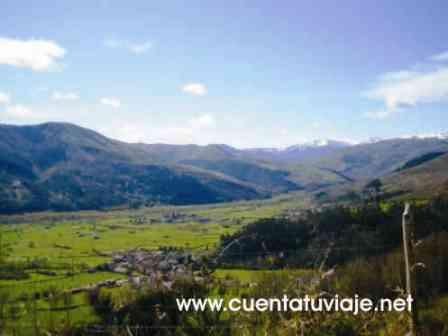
<point x="373" y="191"/>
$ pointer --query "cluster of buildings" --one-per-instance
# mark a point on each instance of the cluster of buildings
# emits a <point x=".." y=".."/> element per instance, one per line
<point x="152" y="268"/>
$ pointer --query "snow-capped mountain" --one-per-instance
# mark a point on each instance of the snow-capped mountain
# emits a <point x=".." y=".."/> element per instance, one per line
<point x="440" y="136"/>
<point x="299" y="152"/>
<point x="319" y="143"/>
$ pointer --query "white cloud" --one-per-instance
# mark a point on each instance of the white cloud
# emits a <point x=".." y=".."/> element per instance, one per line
<point x="111" y="101"/>
<point x="133" y="47"/>
<point x="190" y="133"/>
<point x="4" y="98"/>
<point x="126" y="131"/>
<point x="440" y="57"/>
<point x="19" y="111"/>
<point x="201" y="122"/>
<point x="140" y="48"/>
<point x="197" y="89"/>
<point x="407" y="89"/>
<point x="378" y="114"/>
<point x="203" y="130"/>
<point x="38" y="55"/>
<point x="64" y="96"/>
<point x="193" y="131"/>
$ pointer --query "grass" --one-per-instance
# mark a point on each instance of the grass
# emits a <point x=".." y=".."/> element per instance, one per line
<point x="39" y="284"/>
<point x="70" y="243"/>
<point x="75" y="312"/>
<point x="246" y="276"/>
<point x="82" y="235"/>
<point x="78" y="240"/>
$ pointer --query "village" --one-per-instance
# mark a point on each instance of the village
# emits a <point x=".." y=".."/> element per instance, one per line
<point x="145" y="268"/>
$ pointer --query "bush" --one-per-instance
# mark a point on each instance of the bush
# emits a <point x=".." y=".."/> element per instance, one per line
<point x="12" y="271"/>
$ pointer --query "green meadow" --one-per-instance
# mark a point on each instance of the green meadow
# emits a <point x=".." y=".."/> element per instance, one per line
<point x="65" y="245"/>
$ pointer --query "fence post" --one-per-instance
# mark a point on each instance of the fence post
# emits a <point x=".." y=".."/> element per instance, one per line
<point x="408" y="260"/>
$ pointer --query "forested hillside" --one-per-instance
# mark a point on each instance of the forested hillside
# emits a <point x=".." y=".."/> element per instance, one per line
<point x="66" y="167"/>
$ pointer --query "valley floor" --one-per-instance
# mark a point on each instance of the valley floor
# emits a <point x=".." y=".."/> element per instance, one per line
<point x="57" y="250"/>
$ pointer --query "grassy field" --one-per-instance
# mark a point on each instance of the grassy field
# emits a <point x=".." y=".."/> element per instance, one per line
<point x="247" y="276"/>
<point x="67" y="244"/>
<point x="85" y="235"/>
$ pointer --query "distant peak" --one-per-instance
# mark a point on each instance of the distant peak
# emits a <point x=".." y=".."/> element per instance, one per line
<point x="320" y="143"/>
<point x="443" y="135"/>
<point x="373" y="140"/>
<point x="438" y="136"/>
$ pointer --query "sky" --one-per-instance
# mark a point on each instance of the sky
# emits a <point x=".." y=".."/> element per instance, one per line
<point x="245" y="73"/>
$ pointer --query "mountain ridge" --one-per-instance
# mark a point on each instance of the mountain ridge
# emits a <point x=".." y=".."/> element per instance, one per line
<point x="63" y="166"/>
<point x="67" y="167"/>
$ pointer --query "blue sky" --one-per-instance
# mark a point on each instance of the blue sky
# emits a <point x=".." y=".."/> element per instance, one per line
<point x="245" y="73"/>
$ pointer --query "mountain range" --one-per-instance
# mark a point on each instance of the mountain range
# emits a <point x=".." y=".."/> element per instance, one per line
<point x="62" y="166"/>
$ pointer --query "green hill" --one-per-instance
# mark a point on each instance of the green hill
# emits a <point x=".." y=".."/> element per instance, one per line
<point x="66" y="167"/>
<point x="425" y="179"/>
<point x="367" y="161"/>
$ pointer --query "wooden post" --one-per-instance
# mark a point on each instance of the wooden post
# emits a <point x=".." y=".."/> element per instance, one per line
<point x="1" y="245"/>
<point x="34" y="308"/>
<point x="408" y="261"/>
